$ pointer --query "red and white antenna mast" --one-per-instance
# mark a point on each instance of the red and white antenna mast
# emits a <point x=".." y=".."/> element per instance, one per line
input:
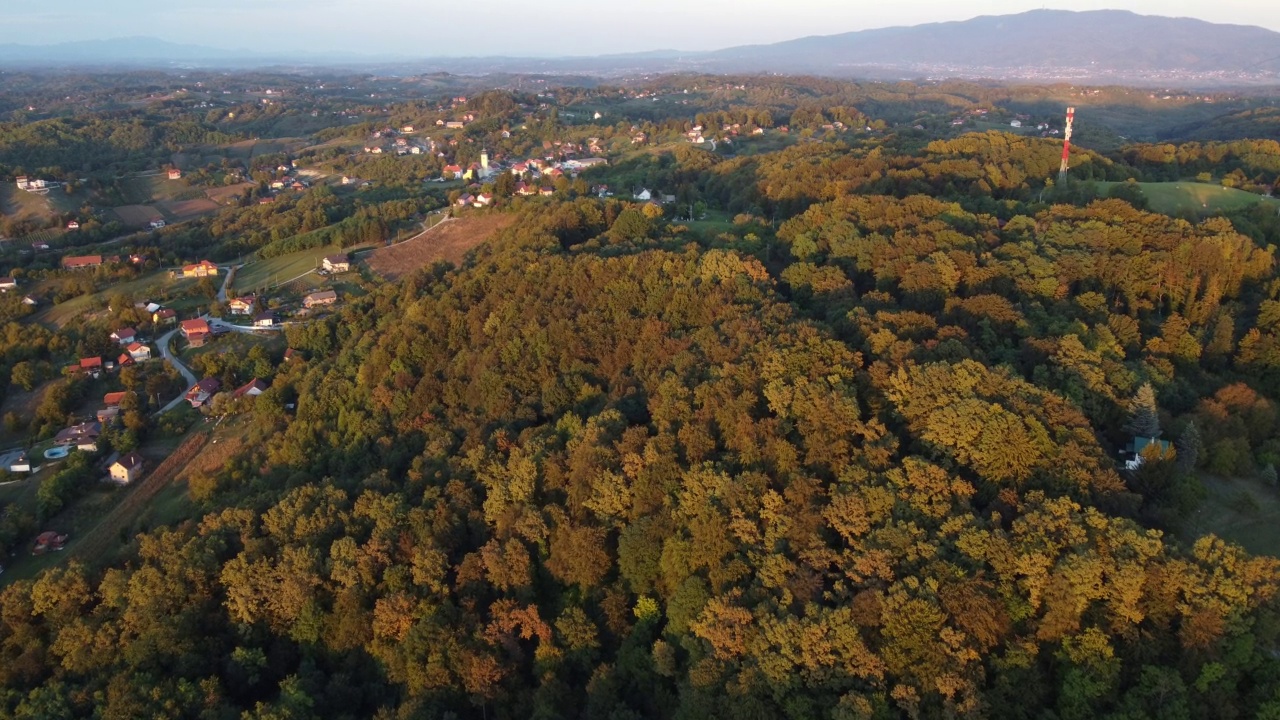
<point x="1066" y="145"/>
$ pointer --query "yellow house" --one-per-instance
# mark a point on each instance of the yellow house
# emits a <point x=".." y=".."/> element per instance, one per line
<point x="126" y="469"/>
<point x="204" y="268"/>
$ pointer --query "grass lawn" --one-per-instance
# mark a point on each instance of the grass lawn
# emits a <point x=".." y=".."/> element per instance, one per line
<point x="1241" y="510"/>
<point x="1172" y="198"/>
<point x="236" y="343"/>
<point x="711" y="224"/>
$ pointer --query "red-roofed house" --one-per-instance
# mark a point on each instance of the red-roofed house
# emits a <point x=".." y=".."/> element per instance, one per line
<point x="194" y="327"/>
<point x="253" y="388"/>
<point x="200" y="393"/>
<point x="139" y="352"/>
<point x="241" y="305"/>
<point x="114" y="399"/>
<point x="77" y="262"/>
<point x="92" y="365"/>
<point x="204" y="268"/>
<point x="165" y="316"/>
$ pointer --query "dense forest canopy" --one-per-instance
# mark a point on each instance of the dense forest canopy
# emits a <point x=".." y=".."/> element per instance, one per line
<point x="838" y="431"/>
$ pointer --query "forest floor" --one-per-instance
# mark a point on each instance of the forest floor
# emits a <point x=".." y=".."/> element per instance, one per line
<point x="1173" y="198"/>
<point x="447" y="241"/>
<point x="1241" y="510"/>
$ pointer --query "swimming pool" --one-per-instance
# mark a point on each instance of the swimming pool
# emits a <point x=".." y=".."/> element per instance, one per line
<point x="54" y="453"/>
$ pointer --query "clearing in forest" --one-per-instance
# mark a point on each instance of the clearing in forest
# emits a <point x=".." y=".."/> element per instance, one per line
<point x="1174" y="198"/>
<point x="449" y="241"/>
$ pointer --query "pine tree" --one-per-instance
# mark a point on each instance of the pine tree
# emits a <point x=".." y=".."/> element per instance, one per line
<point x="1268" y="475"/>
<point x="1144" y="413"/>
<point x="1189" y="447"/>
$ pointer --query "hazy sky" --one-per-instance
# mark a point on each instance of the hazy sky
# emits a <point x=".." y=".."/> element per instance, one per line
<point x="527" y="27"/>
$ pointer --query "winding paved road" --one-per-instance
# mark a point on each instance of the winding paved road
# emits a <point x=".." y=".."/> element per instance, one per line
<point x="190" y="377"/>
<point x="167" y="354"/>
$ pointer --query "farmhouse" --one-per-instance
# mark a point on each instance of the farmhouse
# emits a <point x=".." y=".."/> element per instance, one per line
<point x="7" y="284"/>
<point x="175" y="174"/>
<point x="29" y="300"/>
<point x="164" y="316"/>
<point x="126" y="469"/>
<point x="241" y="305"/>
<point x="204" y="268"/>
<point x="339" y="263"/>
<point x="157" y="223"/>
<point x="264" y="319"/>
<point x="202" y="391"/>
<point x="317" y="299"/>
<point x="75" y="262"/>
<point x="1139" y="447"/>
<point x="73" y="225"/>
<point x="20" y="464"/>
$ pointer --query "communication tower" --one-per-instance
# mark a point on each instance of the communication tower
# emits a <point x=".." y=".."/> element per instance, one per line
<point x="1066" y="145"/>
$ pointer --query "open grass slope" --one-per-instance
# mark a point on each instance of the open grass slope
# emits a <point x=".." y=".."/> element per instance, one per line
<point x="1173" y="198"/>
<point x="1241" y="510"/>
<point x="448" y="241"/>
<point x="269" y="273"/>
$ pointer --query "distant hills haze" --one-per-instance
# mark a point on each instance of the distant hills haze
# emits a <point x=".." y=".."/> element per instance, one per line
<point x="1041" y="43"/>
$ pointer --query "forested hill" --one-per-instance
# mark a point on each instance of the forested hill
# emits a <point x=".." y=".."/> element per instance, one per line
<point x="608" y="471"/>
<point x="1100" y="41"/>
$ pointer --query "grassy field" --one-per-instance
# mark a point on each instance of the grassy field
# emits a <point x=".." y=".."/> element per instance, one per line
<point x="1173" y="198"/>
<point x="148" y="287"/>
<point x="1243" y="511"/>
<point x="277" y="270"/>
<point x="711" y="224"/>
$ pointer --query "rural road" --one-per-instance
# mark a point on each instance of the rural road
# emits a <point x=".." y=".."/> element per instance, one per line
<point x="163" y="342"/>
<point x="226" y="282"/>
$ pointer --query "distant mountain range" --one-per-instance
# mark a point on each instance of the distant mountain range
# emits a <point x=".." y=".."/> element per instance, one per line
<point x="1041" y="44"/>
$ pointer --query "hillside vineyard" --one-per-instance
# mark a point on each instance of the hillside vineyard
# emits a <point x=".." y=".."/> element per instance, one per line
<point x="691" y="397"/>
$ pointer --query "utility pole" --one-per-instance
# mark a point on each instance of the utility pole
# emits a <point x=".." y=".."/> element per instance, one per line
<point x="1066" y="145"/>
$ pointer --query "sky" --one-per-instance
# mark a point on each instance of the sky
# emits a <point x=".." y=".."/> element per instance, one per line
<point x="531" y="28"/>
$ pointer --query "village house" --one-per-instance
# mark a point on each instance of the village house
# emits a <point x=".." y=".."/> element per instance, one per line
<point x="92" y="366"/>
<point x="175" y="174"/>
<point x="73" y="225"/>
<point x="164" y="316"/>
<point x="253" y="388"/>
<point x="1137" y="448"/>
<point x="30" y="300"/>
<point x="83" y="436"/>
<point x="484" y="199"/>
<point x="191" y="328"/>
<point x="157" y="223"/>
<point x="241" y="305"/>
<point x="204" y="268"/>
<point x="138" y="352"/>
<point x="264" y="319"/>
<point x="125" y="336"/>
<point x="466" y="199"/>
<point x="318" y="299"/>
<point x="7" y="284"/>
<point x="76" y="262"/>
<point x="201" y="392"/>
<point x="126" y="469"/>
<point x="113" y="399"/>
<point x="339" y="263"/>
<point x="643" y="195"/>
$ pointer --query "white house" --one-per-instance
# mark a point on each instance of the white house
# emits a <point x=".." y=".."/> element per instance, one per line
<point x="126" y="469"/>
